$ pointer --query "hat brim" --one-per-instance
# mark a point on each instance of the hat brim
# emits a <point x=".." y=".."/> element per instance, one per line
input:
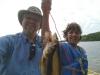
<point x="21" y="14"/>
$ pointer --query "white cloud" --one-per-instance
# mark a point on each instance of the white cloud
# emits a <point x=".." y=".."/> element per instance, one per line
<point x="63" y="12"/>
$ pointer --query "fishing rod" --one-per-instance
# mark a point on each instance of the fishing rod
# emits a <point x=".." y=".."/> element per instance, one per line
<point x="48" y="8"/>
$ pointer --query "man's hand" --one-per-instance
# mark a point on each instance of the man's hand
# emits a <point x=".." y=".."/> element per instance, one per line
<point x="46" y="6"/>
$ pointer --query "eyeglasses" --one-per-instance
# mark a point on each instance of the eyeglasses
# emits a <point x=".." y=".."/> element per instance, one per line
<point x="32" y="51"/>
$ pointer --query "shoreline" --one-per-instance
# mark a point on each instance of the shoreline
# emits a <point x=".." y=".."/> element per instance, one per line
<point x="90" y="72"/>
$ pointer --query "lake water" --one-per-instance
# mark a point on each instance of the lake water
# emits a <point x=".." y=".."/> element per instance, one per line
<point x="93" y="52"/>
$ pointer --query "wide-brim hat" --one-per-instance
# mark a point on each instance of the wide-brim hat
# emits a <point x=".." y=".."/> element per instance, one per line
<point x="30" y="10"/>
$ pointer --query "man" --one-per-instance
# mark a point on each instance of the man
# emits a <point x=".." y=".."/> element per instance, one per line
<point x="67" y="57"/>
<point x="21" y="54"/>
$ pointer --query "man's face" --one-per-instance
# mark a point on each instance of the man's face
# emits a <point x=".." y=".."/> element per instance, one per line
<point x="73" y="37"/>
<point x="31" y="23"/>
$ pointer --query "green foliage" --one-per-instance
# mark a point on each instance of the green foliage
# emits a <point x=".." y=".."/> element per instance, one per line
<point x="91" y="37"/>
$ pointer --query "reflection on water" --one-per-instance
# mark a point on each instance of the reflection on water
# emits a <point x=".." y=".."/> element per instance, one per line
<point x="93" y="52"/>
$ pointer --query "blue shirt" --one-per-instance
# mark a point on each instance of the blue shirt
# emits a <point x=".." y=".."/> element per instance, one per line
<point x="14" y="54"/>
<point x="71" y="60"/>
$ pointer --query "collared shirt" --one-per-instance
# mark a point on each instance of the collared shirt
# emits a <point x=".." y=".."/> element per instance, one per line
<point x="14" y="55"/>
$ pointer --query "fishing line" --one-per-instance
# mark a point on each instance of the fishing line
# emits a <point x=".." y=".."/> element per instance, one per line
<point x="55" y="26"/>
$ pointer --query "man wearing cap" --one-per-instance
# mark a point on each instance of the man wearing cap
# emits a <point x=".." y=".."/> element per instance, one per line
<point x="20" y="54"/>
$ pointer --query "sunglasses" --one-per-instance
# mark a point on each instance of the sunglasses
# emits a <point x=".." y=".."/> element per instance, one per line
<point x="32" y="51"/>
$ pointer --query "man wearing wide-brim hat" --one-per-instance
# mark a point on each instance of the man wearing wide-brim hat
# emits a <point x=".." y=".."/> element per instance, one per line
<point x="30" y="10"/>
<point x="20" y="54"/>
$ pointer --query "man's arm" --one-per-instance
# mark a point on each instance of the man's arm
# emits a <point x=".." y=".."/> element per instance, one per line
<point x="46" y="33"/>
<point x="4" y="47"/>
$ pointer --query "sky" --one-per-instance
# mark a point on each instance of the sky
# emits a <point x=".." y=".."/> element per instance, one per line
<point x="85" y="12"/>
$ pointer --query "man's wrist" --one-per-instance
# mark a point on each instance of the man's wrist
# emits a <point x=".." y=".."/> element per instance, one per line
<point x="46" y="14"/>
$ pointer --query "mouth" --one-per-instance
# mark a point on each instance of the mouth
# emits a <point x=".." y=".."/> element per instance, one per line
<point x="73" y="40"/>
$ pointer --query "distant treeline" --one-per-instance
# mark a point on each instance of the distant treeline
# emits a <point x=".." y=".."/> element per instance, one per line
<point x="91" y="37"/>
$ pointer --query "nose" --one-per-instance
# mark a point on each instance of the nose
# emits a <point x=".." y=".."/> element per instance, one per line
<point x="74" y="34"/>
<point x="32" y="21"/>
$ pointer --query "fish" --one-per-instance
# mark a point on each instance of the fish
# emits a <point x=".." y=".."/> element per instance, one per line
<point x="50" y="63"/>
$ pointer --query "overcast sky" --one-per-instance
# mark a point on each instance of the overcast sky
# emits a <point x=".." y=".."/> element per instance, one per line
<point x="84" y="12"/>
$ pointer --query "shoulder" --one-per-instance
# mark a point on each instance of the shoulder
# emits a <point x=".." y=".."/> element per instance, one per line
<point x="8" y="38"/>
<point x="82" y="50"/>
<point x="5" y="43"/>
<point x="5" y="38"/>
<point x="63" y="44"/>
